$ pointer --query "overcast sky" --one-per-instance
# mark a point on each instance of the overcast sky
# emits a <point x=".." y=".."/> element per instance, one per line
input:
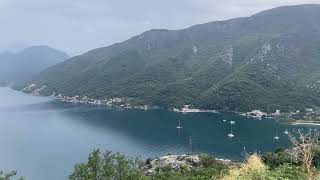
<point x="76" y="26"/>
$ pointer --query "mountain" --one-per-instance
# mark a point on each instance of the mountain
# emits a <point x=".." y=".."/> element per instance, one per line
<point x="21" y="66"/>
<point x="268" y="61"/>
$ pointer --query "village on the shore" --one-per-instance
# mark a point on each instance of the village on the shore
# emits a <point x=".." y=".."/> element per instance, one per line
<point x="307" y="115"/>
<point x="116" y="101"/>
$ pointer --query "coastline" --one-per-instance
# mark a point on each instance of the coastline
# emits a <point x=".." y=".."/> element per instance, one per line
<point x="119" y="102"/>
<point x="129" y="103"/>
<point x="307" y="123"/>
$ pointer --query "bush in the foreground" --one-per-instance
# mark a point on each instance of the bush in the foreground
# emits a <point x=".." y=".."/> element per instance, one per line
<point x="8" y="176"/>
<point x="198" y="173"/>
<point x="104" y="166"/>
<point x="288" y="172"/>
<point x="278" y="158"/>
<point x="255" y="169"/>
<point x="107" y="166"/>
<point x="252" y="169"/>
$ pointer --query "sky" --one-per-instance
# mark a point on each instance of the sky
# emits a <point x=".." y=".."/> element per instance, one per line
<point x="77" y="26"/>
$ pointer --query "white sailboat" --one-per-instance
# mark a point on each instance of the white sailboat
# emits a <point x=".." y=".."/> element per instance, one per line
<point x="224" y="118"/>
<point x="286" y="132"/>
<point x="231" y="135"/>
<point x="276" y="137"/>
<point x="179" y="126"/>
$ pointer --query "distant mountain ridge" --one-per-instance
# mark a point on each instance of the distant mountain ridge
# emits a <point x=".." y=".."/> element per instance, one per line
<point x="21" y="66"/>
<point x="268" y="61"/>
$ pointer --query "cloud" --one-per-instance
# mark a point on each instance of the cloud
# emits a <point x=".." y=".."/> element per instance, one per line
<point x="77" y="26"/>
<point x="224" y="9"/>
<point x="147" y="23"/>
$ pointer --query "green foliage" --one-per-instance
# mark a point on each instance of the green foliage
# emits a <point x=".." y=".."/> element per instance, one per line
<point x="199" y="173"/>
<point x="116" y="166"/>
<point x="168" y="175"/>
<point x="276" y="159"/>
<point x="255" y="169"/>
<point x="316" y="158"/>
<point x="107" y="166"/>
<point x="281" y="157"/>
<point x="288" y="171"/>
<point x="8" y="176"/>
<point x="252" y="169"/>
<point x="208" y="161"/>
<point x="208" y="168"/>
<point x="160" y="67"/>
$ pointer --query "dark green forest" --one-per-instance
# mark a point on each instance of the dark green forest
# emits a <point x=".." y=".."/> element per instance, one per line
<point x="268" y="61"/>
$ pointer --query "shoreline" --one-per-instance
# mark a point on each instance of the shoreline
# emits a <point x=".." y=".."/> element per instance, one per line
<point x="305" y="123"/>
<point x="119" y="102"/>
<point x="128" y="103"/>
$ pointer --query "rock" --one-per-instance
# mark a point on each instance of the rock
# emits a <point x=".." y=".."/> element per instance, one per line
<point x="175" y="162"/>
<point x="193" y="160"/>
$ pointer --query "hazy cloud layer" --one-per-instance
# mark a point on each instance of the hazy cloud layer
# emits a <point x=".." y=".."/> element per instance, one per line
<point x="80" y="25"/>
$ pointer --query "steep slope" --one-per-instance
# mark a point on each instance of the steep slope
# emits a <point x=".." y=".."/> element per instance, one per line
<point x="17" y="67"/>
<point x="267" y="61"/>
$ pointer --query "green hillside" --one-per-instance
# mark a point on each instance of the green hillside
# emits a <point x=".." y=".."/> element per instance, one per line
<point x="268" y="61"/>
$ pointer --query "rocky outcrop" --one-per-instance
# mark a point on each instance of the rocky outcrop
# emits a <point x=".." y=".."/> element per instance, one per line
<point x="176" y="163"/>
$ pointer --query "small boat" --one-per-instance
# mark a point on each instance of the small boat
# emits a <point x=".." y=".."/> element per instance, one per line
<point x="232" y="122"/>
<point x="276" y="137"/>
<point x="179" y="126"/>
<point x="286" y="132"/>
<point x="224" y="120"/>
<point x="231" y="135"/>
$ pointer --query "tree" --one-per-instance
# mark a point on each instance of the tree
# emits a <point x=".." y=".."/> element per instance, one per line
<point x="252" y="169"/>
<point x="107" y="166"/>
<point x="276" y="159"/>
<point x="304" y="148"/>
<point x="8" y="176"/>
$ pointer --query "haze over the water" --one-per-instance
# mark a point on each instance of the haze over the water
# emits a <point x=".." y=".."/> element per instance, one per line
<point x="82" y="25"/>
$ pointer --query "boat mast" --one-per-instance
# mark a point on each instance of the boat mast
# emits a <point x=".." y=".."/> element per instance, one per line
<point x="190" y="145"/>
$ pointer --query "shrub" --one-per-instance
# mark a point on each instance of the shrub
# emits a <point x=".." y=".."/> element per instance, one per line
<point x="208" y="161"/>
<point x="8" y="176"/>
<point x="276" y="159"/>
<point x="107" y="166"/>
<point x="288" y="171"/>
<point x="252" y="169"/>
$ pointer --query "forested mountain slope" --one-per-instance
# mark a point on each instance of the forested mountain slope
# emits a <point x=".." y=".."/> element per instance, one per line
<point x="270" y="60"/>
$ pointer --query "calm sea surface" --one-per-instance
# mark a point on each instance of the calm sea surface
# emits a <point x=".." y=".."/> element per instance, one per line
<point x="43" y="139"/>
